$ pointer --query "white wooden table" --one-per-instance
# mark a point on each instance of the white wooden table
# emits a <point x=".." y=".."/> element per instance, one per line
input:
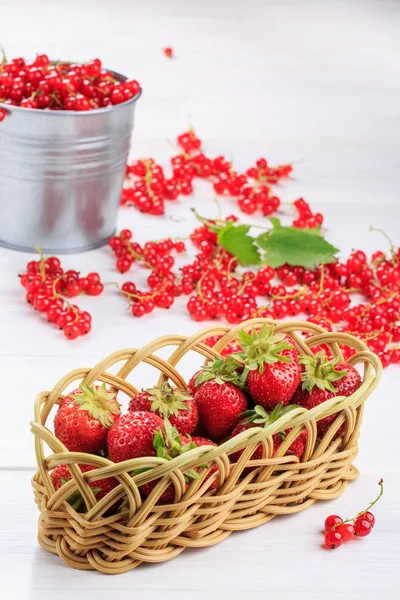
<point x="288" y="80"/>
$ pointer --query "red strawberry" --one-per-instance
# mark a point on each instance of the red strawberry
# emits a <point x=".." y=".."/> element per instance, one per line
<point x="198" y="440"/>
<point x="192" y="382"/>
<point x="220" y="406"/>
<point x="100" y="487"/>
<point x="323" y="379"/>
<point x="258" y="417"/>
<point x="84" y="418"/>
<point x="169" y="403"/>
<point x="132" y="436"/>
<point x="297" y="447"/>
<point x="169" y="444"/>
<point x="203" y="441"/>
<point x="271" y="364"/>
<point x="219" y="400"/>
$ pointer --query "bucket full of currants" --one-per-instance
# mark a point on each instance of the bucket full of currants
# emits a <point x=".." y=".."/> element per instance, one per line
<point x="65" y="133"/>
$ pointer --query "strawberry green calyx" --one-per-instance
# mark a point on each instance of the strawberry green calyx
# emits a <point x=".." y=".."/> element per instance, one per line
<point x="98" y="402"/>
<point x="168" y="444"/>
<point x="167" y="401"/>
<point x="221" y="370"/>
<point x="320" y="372"/>
<point x="261" y="347"/>
<point x="259" y="416"/>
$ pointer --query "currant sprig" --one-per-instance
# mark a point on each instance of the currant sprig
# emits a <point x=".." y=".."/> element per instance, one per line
<point x="340" y="530"/>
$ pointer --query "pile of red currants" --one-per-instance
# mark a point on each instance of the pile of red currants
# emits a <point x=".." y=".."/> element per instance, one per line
<point x="42" y="84"/>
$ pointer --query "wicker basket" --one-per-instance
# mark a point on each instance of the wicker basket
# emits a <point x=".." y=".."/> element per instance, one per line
<point x="201" y="515"/>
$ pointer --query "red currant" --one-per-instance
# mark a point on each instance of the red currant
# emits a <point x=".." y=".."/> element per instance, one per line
<point x="362" y="527"/>
<point x="331" y="521"/>
<point x="333" y="539"/>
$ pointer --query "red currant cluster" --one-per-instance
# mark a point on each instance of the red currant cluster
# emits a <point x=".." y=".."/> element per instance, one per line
<point x="251" y="197"/>
<point x="188" y="141"/>
<point x="339" y="530"/>
<point x="324" y="295"/>
<point x="230" y="183"/>
<point x="146" y="186"/>
<point x="2" y="114"/>
<point x="220" y="294"/>
<point x="42" y="84"/>
<point x="47" y="284"/>
<point x="154" y="255"/>
<point x="306" y="219"/>
<point x="164" y="285"/>
<point x="152" y="188"/>
<point x="263" y="173"/>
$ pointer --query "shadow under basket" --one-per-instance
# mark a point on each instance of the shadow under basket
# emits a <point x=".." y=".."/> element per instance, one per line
<point x="234" y="496"/>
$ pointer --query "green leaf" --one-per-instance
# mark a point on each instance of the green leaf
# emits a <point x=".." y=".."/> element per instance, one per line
<point x="235" y="240"/>
<point x="191" y="474"/>
<point x="313" y="230"/>
<point x="275" y="222"/>
<point x="287" y="245"/>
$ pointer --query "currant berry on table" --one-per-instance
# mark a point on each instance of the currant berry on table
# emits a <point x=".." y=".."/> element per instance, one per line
<point x="339" y="530"/>
<point x="221" y="291"/>
<point x="147" y="187"/>
<point x="48" y="286"/>
<point x="169" y="52"/>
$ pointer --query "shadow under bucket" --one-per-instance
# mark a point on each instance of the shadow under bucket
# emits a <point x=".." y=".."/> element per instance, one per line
<point x="61" y="176"/>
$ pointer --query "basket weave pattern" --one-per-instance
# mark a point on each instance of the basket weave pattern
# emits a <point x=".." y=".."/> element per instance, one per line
<point x="147" y="531"/>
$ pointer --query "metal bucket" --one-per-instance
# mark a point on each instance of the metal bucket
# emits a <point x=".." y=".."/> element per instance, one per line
<point x="61" y="176"/>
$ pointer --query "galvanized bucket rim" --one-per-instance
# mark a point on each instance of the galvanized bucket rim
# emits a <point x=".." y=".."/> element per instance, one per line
<point x="66" y="113"/>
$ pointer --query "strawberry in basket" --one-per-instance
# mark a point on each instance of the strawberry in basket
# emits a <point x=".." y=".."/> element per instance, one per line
<point x="219" y="397"/>
<point x="258" y="417"/>
<point x="100" y="487"/>
<point x="271" y="367"/>
<point x="169" y="444"/>
<point x="132" y="436"/>
<point x="169" y="403"/>
<point x="323" y="379"/>
<point x="84" y="418"/>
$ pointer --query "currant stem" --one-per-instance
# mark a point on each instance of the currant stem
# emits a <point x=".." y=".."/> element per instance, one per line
<point x="42" y="270"/>
<point x="353" y="519"/>
<point x="385" y="235"/>
<point x="57" y="295"/>
<point x="137" y="256"/>
<point x="218" y="208"/>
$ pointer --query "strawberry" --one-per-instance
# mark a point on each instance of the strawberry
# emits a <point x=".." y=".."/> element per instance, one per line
<point x="169" y="444"/>
<point x="169" y="403"/>
<point x="323" y="379"/>
<point x="258" y="417"/>
<point x="198" y="440"/>
<point x="132" y="436"/>
<point x="297" y="447"/>
<point x="271" y="366"/>
<point x="219" y="400"/>
<point x="100" y="487"/>
<point x="84" y="418"/>
<point x="192" y="382"/>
